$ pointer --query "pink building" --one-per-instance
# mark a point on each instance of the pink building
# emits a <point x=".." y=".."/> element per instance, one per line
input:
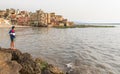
<point x="23" y="20"/>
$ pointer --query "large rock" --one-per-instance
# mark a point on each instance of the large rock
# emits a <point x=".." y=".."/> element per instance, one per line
<point x="7" y="66"/>
<point x="16" y="62"/>
<point x="48" y="68"/>
<point x="29" y="66"/>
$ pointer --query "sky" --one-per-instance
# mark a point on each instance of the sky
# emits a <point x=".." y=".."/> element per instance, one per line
<point x="73" y="10"/>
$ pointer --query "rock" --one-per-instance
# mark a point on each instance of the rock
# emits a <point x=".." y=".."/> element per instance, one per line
<point x="29" y="66"/>
<point x="5" y="56"/>
<point x="54" y="70"/>
<point x="42" y="64"/>
<point x="46" y="71"/>
<point x="48" y="68"/>
<point x="84" y="69"/>
<point x="16" y="62"/>
<point x="7" y="66"/>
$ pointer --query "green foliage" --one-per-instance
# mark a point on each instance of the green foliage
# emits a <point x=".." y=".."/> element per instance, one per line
<point x="82" y="26"/>
<point x="97" y="26"/>
<point x="43" y="65"/>
<point x="63" y="27"/>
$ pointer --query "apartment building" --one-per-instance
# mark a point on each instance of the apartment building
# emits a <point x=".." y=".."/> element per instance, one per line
<point x="38" y="18"/>
<point x="2" y="13"/>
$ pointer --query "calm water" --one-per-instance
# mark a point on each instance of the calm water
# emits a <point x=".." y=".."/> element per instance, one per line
<point x="88" y="50"/>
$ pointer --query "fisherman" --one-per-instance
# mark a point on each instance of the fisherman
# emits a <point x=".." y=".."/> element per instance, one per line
<point x="12" y="37"/>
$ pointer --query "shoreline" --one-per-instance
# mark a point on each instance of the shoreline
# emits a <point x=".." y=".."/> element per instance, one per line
<point x="16" y="62"/>
<point x="85" y="26"/>
<point x="8" y="26"/>
<point x="75" y="26"/>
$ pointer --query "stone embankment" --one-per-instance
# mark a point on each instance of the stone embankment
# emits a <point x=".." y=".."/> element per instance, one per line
<point x="16" y="62"/>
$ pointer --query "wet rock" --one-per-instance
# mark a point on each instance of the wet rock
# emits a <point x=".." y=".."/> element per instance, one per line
<point x="42" y="64"/>
<point x="54" y="70"/>
<point x="84" y="69"/>
<point x="48" y="68"/>
<point x="28" y="65"/>
<point x="46" y="71"/>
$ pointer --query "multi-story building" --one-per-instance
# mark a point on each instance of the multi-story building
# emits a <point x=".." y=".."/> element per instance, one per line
<point x="38" y="18"/>
<point x="2" y="13"/>
<point x="53" y="20"/>
<point x="23" y="21"/>
<point x="23" y="18"/>
<point x="48" y="18"/>
<point x="59" y="18"/>
<point x="13" y="19"/>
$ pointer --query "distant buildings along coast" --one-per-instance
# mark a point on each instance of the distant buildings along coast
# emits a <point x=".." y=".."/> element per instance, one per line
<point x="38" y="18"/>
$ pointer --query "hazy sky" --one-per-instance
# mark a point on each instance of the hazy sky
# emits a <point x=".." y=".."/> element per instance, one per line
<point x="75" y="10"/>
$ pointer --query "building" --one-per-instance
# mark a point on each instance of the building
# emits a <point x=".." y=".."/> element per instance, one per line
<point x="2" y="14"/>
<point x="38" y="18"/>
<point x="24" y="21"/>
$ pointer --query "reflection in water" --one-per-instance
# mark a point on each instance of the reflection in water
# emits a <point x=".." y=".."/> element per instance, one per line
<point x="85" y="50"/>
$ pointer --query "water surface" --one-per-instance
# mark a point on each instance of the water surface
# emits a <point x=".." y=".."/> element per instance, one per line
<point x="89" y="50"/>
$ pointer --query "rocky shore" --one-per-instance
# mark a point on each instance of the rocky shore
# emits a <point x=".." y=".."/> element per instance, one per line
<point x="16" y="62"/>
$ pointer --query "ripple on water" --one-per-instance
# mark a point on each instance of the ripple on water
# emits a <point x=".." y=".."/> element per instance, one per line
<point x="90" y="50"/>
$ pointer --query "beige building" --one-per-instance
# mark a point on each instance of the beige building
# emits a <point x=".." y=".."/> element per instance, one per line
<point x="2" y="13"/>
<point x="48" y="18"/>
<point x="38" y="18"/>
<point x="59" y="18"/>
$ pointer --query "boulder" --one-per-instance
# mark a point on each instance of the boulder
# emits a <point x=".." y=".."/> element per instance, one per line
<point x="55" y="70"/>
<point x="7" y="66"/>
<point x="29" y="66"/>
<point x="16" y="62"/>
<point x="48" y="68"/>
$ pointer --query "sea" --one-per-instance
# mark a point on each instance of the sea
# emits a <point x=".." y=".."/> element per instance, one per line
<point x="82" y="50"/>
